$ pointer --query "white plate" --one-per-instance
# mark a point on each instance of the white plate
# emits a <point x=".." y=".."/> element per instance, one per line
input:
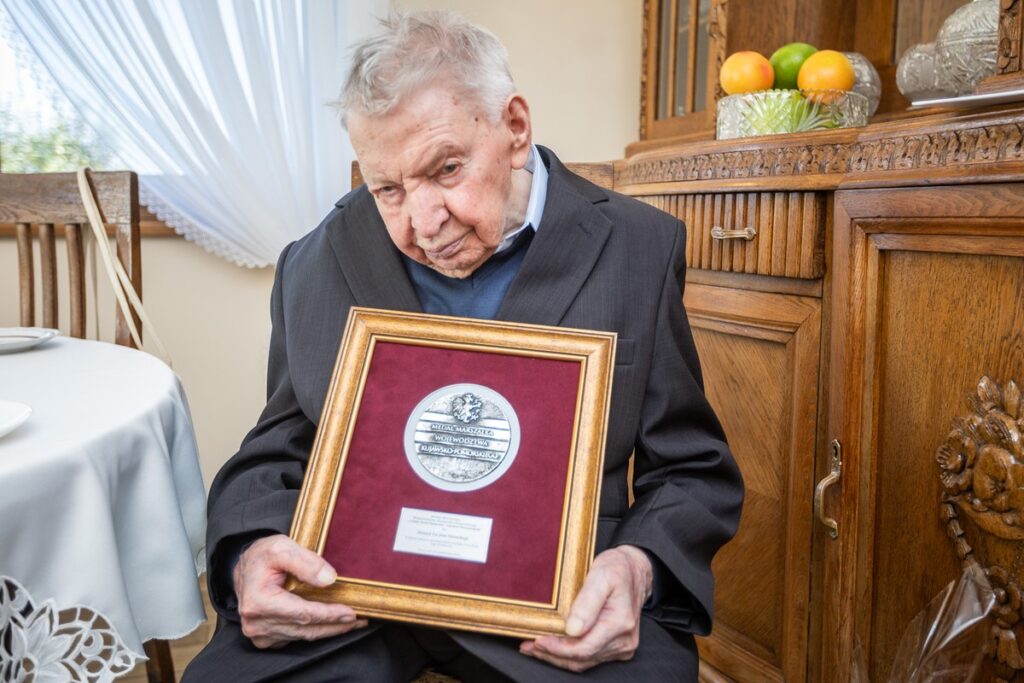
<point x="12" y="414"/>
<point x="21" y="338"/>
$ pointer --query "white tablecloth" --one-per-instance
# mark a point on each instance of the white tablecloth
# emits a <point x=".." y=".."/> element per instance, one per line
<point x="102" y="505"/>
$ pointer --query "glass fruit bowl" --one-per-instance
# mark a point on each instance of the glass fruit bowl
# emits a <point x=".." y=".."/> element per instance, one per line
<point x="769" y="112"/>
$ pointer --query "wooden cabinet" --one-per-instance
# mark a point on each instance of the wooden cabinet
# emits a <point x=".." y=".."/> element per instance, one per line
<point x="858" y="286"/>
<point x="857" y="300"/>
<point x="754" y="300"/>
<point x="929" y="299"/>
<point x="759" y="353"/>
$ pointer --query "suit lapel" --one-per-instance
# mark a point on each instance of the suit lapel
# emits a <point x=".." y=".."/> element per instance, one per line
<point x="569" y="240"/>
<point x="369" y="259"/>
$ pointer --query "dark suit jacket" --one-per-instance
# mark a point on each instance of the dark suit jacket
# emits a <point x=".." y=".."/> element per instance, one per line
<point x="600" y="261"/>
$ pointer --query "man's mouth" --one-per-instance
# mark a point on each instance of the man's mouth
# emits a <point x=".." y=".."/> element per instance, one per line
<point x="445" y="252"/>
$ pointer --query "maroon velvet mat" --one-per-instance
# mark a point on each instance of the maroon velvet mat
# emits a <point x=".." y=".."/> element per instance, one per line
<point x="526" y="503"/>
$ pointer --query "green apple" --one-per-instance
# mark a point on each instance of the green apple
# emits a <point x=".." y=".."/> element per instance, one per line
<point x="787" y="61"/>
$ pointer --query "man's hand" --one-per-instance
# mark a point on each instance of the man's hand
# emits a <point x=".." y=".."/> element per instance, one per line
<point x="604" y="622"/>
<point x="272" y="616"/>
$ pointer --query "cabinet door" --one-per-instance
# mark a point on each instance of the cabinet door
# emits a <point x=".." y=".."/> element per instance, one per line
<point x="683" y="52"/>
<point x="759" y="353"/>
<point x="928" y="298"/>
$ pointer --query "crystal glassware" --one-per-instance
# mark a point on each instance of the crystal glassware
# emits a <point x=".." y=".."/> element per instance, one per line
<point x="919" y="76"/>
<point x="966" y="44"/>
<point x="867" y="81"/>
<point x="767" y="112"/>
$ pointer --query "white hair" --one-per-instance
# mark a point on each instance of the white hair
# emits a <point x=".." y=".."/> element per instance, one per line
<point x="417" y="49"/>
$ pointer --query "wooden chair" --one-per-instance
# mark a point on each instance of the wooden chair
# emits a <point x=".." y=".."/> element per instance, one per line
<point x="51" y="202"/>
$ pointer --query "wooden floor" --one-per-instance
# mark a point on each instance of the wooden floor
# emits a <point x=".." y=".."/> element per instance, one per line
<point x="183" y="649"/>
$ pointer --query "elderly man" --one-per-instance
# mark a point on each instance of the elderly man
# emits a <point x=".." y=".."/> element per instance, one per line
<point x="463" y="215"/>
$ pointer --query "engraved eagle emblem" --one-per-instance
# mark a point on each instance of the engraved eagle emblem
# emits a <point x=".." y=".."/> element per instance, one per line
<point x="466" y="408"/>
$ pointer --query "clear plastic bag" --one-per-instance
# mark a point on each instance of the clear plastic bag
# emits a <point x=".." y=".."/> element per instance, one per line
<point x="945" y="642"/>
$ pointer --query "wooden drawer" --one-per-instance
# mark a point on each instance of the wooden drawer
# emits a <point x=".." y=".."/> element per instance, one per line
<point x="767" y="233"/>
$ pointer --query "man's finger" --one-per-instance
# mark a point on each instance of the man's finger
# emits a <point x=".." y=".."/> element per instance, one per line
<point x="317" y="632"/>
<point x="560" y="662"/>
<point x="279" y="639"/>
<point x="601" y="647"/>
<point x="611" y="632"/>
<point x="588" y="603"/>
<point x="594" y="642"/>
<point x="302" y="563"/>
<point x="285" y="607"/>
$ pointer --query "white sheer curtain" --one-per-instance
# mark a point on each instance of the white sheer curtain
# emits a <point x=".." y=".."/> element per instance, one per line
<point x="219" y="105"/>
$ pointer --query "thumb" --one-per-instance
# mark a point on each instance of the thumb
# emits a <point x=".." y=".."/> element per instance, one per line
<point x="307" y="566"/>
<point x="588" y="603"/>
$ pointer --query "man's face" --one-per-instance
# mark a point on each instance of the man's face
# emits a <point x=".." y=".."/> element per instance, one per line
<point x="442" y="175"/>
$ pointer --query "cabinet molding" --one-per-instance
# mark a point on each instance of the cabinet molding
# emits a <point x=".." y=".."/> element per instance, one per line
<point x="892" y="152"/>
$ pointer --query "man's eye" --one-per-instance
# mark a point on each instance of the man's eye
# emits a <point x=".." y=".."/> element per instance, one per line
<point x="389" y="195"/>
<point x="449" y="168"/>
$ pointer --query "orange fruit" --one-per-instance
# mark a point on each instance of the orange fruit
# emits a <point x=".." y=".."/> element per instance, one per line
<point x="786" y="61"/>
<point x="825" y="70"/>
<point x="745" y="72"/>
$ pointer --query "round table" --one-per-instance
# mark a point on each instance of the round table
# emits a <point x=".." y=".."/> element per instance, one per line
<point x="102" y="510"/>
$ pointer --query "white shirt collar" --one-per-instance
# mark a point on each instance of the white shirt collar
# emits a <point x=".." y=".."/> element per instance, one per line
<point x="538" y="197"/>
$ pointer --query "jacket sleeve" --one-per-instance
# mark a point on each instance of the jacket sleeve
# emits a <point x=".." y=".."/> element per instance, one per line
<point x="256" y="491"/>
<point x="688" y="490"/>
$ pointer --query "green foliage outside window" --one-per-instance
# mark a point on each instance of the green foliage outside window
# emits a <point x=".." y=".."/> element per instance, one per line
<point x="60" y="148"/>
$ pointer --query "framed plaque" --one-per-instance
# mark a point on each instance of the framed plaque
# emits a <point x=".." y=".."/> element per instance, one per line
<point x="456" y="472"/>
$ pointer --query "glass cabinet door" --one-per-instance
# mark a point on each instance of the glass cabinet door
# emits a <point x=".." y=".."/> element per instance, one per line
<point x="679" y="82"/>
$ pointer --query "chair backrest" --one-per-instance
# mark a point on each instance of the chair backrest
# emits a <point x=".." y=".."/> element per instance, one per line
<point x="46" y="205"/>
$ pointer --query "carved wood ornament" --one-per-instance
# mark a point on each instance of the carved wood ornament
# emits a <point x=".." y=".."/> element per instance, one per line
<point x="1010" y="27"/>
<point x="981" y="467"/>
<point x="716" y="37"/>
<point x="646" y="47"/>
<point x="966" y="143"/>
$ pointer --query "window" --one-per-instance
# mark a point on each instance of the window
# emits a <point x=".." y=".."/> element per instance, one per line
<point x="39" y="130"/>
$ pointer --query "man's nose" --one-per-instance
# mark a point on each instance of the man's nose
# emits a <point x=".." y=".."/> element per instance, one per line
<point x="427" y="211"/>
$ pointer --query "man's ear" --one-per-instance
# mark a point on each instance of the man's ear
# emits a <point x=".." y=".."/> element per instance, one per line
<point x="517" y="118"/>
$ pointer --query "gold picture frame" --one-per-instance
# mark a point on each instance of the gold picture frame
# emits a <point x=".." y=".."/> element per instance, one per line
<point x="370" y="329"/>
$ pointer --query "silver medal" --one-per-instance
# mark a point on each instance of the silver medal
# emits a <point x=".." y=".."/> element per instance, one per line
<point x="462" y="437"/>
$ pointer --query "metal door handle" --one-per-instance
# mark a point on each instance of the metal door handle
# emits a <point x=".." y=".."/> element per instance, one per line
<point x="836" y="470"/>
<point x="720" y="233"/>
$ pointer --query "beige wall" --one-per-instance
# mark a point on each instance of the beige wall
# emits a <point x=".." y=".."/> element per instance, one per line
<point x="214" y="319"/>
<point x="577" y="62"/>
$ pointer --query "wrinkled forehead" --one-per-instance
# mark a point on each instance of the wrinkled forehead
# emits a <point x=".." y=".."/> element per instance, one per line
<point x="424" y="124"/>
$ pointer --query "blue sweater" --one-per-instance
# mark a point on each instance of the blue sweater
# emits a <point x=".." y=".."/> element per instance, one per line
<point x="477" y="296"/>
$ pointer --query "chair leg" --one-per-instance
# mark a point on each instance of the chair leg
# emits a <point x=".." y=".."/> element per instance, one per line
<point x="160" y="667"/>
